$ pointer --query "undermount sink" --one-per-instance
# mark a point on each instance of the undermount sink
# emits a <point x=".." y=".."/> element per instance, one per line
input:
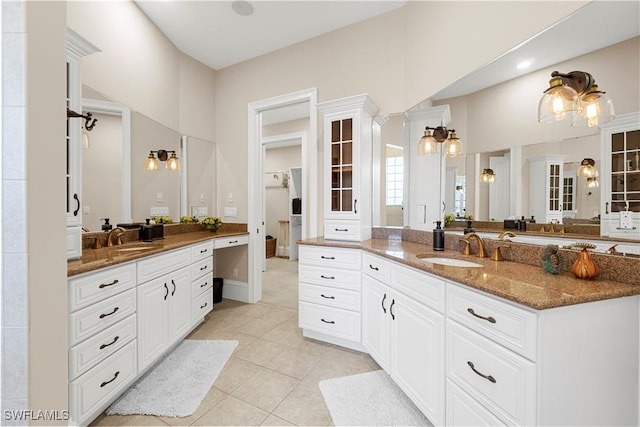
<point x="453" y="262"/>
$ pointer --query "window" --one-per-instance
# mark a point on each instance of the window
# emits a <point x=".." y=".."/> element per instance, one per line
<point x="567" y="194"/>
<point x="394" y="180"/>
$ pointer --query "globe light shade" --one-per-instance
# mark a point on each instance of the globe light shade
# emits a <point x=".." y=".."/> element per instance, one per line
<point x="557" y="101"/>
<point x="597" y="109"/>
<point x="427" y="144"/>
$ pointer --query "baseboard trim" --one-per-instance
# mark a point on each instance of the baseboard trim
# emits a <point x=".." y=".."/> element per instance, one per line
<point x="235" y="290"/>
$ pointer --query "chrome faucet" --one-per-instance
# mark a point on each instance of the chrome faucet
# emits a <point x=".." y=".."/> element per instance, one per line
<point x="481" y="252"/>
<point x="118" y="236"/>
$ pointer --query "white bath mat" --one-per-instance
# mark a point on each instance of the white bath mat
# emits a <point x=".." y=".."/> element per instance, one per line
<point x="176" y="386"/>
<point x="369" y="399"/>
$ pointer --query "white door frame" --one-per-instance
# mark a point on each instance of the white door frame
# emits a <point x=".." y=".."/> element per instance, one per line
<point x="256" y="179"/>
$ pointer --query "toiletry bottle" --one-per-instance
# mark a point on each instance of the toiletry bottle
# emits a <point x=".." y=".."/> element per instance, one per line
<point x="469" y="228"/>
<point x="523" y="224"/>
<point x="438" y="237"/>
<point x="106" y="226"/>
<point x="146" y="231"/>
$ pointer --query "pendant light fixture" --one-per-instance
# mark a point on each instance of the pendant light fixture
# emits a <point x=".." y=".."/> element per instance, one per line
<point x="592" y="182"/>
<point x="587" y="168"/>
<point x="428" y="143"/>
<point x="151" y="162"/>
<point x="575" y="95"/>
<point x="487" y="176"/>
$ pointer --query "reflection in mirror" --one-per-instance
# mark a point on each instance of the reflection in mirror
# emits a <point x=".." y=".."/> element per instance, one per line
<point x="390" y="155"/>
<point x="199" y="161"/>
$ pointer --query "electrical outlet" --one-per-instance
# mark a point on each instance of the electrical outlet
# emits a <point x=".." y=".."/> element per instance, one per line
<point x="203" y="211"/>
<point x="159" y="211"/>
<point x="234" y="273"/>
<point x="202" y="199"/>
<point x="230" y="212"/>
<point x="159" y="197"/>
<point x="230" y="197"/>
<point x="86" y="210"/>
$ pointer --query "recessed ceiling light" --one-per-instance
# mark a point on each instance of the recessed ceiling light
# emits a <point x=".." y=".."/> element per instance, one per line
<point x="241" y="7"/>
<point x="523" y="65"/>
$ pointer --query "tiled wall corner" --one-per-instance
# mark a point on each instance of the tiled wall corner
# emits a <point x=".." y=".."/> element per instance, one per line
<point x="14" y="315"/>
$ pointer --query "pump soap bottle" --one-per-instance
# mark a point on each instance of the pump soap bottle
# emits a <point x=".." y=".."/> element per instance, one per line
<point x="147" y="231"/>
<point x="438" y="237"/>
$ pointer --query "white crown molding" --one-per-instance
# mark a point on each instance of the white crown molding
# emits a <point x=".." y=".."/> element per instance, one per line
<point x="362" y="101"/>
<point x="79" y="45"/>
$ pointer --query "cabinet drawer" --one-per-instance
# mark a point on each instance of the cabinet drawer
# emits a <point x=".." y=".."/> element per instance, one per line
<point x="342" y="230"/>
<point x="201" y="284"/>
<point x="202" y="305"/>
<point x="202" y="250"/>
<point x="160" y="265"/>
<point x="92" y="287"/>
<point x="511" y="326"/>
<point x="376" y="267"/>
<point x="97" y="348"/>
<point x="202" y="267"/>
<point x="331" y="321"/>
<point x="99" y="385"/>
<point x="331" y="297"/>
<point x="419" y="286"/>
<point x="499" y="379"/>
<point x="91" y="320"/>
<point x="324" y="256"/>
<point x="225" y="242"/>
<point x="463" y="410"/>
<point x="335" y="278"/>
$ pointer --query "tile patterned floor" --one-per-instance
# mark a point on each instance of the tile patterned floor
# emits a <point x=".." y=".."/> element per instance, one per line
<point x="272" y="377"/>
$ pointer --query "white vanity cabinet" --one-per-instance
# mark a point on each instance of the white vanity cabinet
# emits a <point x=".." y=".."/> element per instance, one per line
<point x="164" y="303"/>
<point x="347" y="167"/>
<point x="102" y="338"/>
<point x="546" y="190"/>
<point x="404" y="331"/>
<point x="572" y="365"/>
<point x="202" y="281"/>
<point x="329" y="295"/>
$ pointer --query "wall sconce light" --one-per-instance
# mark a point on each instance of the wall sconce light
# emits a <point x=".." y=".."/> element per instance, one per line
<point x="592" y="182"/>
<point x="428" y="143"/>
<point x="151" y="162"/>
<point x="587" y="168"/>
<point x="577" y="94"/>
<point x="90" y="121"/>
<point x="487" y="176"/>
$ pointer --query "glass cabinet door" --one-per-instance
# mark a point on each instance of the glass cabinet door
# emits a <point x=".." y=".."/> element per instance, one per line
<point x="625" y="171"/>
<point x="342" y="165"/>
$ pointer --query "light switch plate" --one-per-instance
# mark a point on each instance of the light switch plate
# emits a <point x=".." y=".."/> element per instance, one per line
<point x="230" y="212"/>
<point x="422" y="214"/>
<point x="159" y="211"/>
<point x="626" y="220"/>
<point x="203" y="211"/>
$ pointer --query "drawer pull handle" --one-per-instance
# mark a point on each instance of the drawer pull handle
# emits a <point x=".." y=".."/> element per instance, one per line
<point x="166" y="288"/>
<point x="203" y="306"/>
<point x="374" y="268"/>
<point x="384" y="309"/>
<point x="327" y="297"/>
<point x="327" y="257"/>
<point x="77" y="209"/>
<point x="102" y="316"/>
<point x="174" y="287"/>
<point x="327" y="277"/>
<point x="204" y="267"/>
<point x="103" y="346"/>
<point x="329" y="321"/>
<point x="231" y="242"/>
<point x="111" y="380"/>
<point x="104" y="285"/>
<point x="486" y="377"/>
<point x="341" y="229"/>
<point x="355" y="206"/>
<point x="488" y="319"/>
<point x="204" y="251"/>
<point x="205" y="284"/>
<point x="393" y="316"/>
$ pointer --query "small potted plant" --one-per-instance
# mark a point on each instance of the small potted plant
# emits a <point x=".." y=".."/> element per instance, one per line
<point x="448" y="219"/>
<point x="211" y="222"/>
<point x="189" y="219"/>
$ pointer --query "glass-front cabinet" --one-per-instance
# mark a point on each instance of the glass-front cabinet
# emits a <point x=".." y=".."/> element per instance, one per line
<point x="347" y="167"/>
<point x="547" y="184"/>
<point x="620" y="202"/>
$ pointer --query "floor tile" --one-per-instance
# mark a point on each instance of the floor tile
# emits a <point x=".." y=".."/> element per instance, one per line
<point x="272" y="420"/>
<point x="266" y="389"/>
<point x="257" y="327"/>
<point x="223" y="334"/>
<point x="287" y="333"/>
<point x="127" y="420"/>
<point x="232" y="412"/>
<point x="260" y="352"/>
<point x="339" y="366"/>
<point x="235" y="372"/>
<point x="304" y="406"/>
<point x="294" y="363"/>
<point x="212" y="398"/>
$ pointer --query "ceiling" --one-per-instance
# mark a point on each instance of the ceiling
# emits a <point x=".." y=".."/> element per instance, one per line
<point x="214" y="34"/>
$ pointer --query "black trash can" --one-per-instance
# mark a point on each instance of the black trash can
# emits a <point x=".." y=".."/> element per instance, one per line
<point x="217" y="289"/>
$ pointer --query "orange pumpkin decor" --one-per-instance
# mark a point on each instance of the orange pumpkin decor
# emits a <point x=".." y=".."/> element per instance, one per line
<point x="584" y="267"/>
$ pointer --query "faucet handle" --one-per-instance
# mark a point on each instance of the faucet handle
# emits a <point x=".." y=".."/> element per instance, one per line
<point x="97" y="244"/>
<point x="497" y="254"/>
<point x="467" y="246"/>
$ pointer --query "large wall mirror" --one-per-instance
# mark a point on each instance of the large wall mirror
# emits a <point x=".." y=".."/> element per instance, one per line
<point x="115" y="184"/>
<point x="494" y="111"/>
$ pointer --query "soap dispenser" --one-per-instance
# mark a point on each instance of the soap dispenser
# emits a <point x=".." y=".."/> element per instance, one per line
<point x="106" y="226"/>
<point x="469" y="228"/>
<point x="147" y="231"/>
<point x="438" y="237"/>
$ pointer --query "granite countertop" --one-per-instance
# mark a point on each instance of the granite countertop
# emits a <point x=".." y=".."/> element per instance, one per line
<point x="525" y="284"/>
<point x="94" y="259"/>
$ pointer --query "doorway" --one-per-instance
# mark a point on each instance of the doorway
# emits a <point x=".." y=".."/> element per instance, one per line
<point x="259" y="115"/>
